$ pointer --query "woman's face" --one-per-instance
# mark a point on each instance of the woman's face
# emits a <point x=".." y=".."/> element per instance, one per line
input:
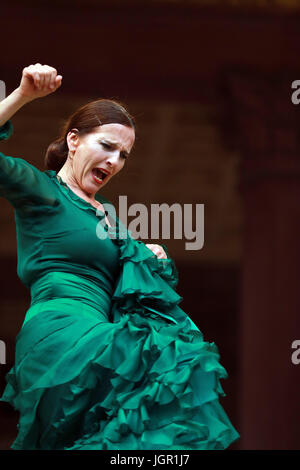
<point x="104" y="149"/>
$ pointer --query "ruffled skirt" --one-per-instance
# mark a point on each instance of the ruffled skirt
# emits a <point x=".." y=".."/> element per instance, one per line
<point x="143" y="380"/>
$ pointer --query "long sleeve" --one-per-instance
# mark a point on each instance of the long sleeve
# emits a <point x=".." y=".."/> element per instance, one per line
<point x="22" y="184"/>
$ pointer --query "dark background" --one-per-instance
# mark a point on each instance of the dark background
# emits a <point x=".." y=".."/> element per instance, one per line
<point x="210" y="87"/>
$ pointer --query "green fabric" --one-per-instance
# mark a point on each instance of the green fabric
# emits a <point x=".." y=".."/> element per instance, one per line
<point x="105" y="359"/>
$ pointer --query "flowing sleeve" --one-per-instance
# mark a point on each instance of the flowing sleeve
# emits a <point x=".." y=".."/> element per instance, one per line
<point x="23" y="185"/>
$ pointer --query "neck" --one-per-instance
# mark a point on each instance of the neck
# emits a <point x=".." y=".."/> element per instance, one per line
<point x="67" y="175"/>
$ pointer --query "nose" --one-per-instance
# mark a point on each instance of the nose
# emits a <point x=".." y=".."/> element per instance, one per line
<point x="113" y="159"/>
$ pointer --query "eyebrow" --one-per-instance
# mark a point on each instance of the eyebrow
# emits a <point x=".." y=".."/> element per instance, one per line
<point x="115" y="144"/>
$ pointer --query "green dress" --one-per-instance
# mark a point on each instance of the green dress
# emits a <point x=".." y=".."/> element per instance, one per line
<point x="105" y="358"/>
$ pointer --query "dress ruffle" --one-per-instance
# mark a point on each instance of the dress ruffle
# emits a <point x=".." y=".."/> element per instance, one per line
<point x="165" y="395"/>
<point x="147" y="380"/>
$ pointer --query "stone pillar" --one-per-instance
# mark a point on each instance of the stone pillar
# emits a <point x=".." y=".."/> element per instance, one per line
<point x="267" y="129"/>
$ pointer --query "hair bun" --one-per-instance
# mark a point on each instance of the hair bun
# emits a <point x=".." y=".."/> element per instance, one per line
<point x="56" y="155"/>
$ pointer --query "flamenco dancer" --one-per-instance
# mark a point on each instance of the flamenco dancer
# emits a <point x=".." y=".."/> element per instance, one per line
<point x="105" y="358"/>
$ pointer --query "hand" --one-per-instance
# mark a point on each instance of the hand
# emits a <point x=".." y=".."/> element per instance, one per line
<point x="38" y="81"/>
<point x="157" y="250"/>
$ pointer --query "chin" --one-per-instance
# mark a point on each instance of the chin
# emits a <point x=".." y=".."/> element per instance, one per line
<point x="94" y="188"/>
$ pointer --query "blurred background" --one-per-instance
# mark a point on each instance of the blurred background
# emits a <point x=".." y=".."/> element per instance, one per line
<point x="209" y="83"/>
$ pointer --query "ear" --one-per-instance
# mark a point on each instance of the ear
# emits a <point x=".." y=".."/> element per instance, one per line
<point x="73" y="139"/>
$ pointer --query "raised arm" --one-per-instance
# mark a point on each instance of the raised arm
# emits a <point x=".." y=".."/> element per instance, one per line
<point x="37" y="81"/>
<point x="21" y="183"/>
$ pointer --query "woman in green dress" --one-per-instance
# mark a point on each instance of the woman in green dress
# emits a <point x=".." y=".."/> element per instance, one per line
<point x="105" y="358"/>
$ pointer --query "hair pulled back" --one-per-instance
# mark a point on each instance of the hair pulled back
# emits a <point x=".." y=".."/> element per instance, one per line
<point x="86" y="119"/>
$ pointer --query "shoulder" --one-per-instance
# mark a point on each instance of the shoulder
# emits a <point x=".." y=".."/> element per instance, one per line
<point x="6" y="130"/>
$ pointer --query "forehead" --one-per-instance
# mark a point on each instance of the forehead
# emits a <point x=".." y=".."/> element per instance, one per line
<point x="116" y="133"/>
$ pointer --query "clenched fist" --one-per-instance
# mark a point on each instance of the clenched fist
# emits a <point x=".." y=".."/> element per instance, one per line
<point x="38" y="81"/>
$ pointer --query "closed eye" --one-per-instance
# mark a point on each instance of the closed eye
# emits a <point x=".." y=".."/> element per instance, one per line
<point x="110" y="147"/>
<point x="107" y="146"/>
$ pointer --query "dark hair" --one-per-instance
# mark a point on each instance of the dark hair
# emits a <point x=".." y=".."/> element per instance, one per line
<point x="86" y="119"/>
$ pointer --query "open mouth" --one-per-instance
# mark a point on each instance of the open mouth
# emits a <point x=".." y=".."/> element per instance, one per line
<point x="99" y="176"/>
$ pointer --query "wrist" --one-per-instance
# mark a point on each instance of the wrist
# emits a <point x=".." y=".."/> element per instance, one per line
<point x="20" y="98"/>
